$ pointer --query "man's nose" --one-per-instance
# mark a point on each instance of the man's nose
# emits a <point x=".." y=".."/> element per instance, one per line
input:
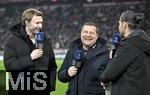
<point x="40" y="26"/>
<point x="88" y="34"/>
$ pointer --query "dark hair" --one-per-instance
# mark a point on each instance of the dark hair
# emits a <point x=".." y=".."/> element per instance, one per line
<point x="92" y="24"/>
<point x="133" y="19"/>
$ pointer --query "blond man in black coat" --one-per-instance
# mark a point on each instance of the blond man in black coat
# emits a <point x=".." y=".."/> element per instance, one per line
<point x="22" y="55"/>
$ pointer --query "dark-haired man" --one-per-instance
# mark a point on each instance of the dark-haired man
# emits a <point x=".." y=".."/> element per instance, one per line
<point x="129" y="70"/>
<point x="84" y="79"/>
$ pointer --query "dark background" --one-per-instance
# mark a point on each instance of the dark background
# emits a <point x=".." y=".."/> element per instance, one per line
<point x="63" y="18"/>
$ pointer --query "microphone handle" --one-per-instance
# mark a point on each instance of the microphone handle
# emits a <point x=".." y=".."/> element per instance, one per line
<point x="75" y="63"/>
<point x="112" y="51"/>
<point x="39" y="45"/>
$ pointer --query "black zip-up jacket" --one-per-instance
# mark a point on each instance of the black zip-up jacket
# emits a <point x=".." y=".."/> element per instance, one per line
<point x="129" y="70"/>
<point x="17" y="54"/>
<point x="87" y="81"/>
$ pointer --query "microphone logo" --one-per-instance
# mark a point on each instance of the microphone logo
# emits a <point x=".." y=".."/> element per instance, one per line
<point x="77" y="58"/>
<point x="39" y="37"/>
<point x="78" y="55"/>
<point x="116" y="39"/>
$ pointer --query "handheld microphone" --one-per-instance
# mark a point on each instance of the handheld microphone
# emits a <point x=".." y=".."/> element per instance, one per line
<point x="39" y="38"/>
<point x="116" y="39"/>
<point x="77" y="58"/>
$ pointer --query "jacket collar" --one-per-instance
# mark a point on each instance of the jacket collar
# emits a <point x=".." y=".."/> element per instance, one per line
<point x="19" y="31"/>
<point x="98" y="48"/>
<point x="140" y="40"/>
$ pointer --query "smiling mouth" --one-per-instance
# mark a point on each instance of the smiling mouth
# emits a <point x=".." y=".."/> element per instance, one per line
<point x="87" y="39"/>
<point x="37" y="30"/>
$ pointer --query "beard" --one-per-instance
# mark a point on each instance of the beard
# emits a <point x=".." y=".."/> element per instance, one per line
<point x="121" y="32"/>
<point x="35" y="30"/>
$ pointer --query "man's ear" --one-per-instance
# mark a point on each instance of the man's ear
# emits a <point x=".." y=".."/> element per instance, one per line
<point x="125" y="25"/>
<point x="26" y="23"/>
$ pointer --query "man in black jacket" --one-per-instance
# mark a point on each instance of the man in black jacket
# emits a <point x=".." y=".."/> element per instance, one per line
<point x="81" y="69"/>
<point x="129" y="70"/>
<point x="21" y="54"/>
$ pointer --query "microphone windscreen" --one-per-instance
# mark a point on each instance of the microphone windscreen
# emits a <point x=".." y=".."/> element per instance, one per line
<point x="116" y="39"/>
<point x="78" y="55"/>
<point x="39" y="37"/>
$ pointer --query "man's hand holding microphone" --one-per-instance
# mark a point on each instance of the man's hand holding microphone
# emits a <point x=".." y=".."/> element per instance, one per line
<point x="116" y="39"/>
<point x="37" y="53"/>
<point x="72" y="71"/>
<point x="76" y="63"/>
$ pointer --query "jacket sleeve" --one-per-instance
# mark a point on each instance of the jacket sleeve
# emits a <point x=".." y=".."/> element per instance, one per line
<point x="100" y="62"/>
<point x="53" y="70"/>
<point x="12" y="61"/>
<point x="104" y="61"/>
<point x="63" y="71"/>
<point x="125" y="54"/>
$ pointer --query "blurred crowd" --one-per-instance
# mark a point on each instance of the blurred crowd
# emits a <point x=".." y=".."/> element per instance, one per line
<point x="62" y="22"/>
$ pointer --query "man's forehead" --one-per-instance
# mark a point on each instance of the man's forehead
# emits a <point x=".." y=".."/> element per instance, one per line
<point x="37" y="18"/>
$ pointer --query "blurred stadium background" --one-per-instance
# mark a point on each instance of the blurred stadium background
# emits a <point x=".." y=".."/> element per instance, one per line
<point x="63" y="19"/>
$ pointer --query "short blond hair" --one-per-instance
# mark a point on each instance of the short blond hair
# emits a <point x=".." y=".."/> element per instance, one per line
<point x="29" y="13"/>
